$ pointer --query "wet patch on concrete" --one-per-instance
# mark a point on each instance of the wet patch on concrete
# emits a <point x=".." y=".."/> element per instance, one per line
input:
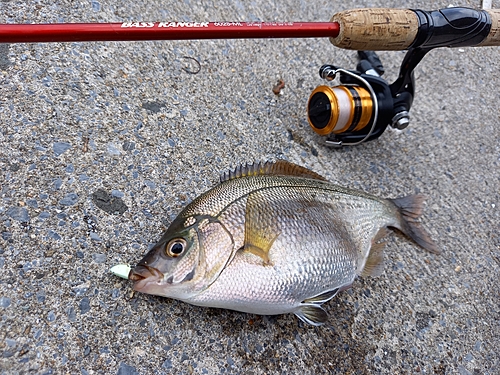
<point x="108" y="203"/>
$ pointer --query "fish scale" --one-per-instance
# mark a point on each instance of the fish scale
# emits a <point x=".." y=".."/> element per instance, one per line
<point x="274" y="238"/>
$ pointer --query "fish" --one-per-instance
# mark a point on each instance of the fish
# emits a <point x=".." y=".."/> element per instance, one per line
<point x="275" y="238"/>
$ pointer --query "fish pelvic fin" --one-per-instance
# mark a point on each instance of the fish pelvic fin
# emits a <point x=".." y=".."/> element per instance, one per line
<point x="312" y="314"/>
<point x="410" y="209"/>
<point x="278" y="168"/>
<point x="323" y="297"/>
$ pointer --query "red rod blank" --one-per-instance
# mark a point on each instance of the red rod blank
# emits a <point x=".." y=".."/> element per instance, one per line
<point x="133" y="31"/>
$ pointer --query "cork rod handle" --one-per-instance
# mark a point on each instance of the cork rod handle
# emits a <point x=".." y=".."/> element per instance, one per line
<point x="398" y="29"/>
<point x="375" y="29"/>
<point x="493" y="38"/>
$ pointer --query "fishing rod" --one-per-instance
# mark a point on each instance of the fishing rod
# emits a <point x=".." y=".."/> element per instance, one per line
<point x="358" y="109"/>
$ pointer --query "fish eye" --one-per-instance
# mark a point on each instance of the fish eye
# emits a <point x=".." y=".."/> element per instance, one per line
<point x="176" y="247"/>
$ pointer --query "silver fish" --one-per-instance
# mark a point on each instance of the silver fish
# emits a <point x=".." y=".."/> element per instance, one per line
<point x="274" y="238"/>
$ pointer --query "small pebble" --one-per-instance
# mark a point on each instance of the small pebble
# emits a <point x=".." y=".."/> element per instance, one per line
<point x="69" y="199"/>
<point x="99" y="258"/>
<point x="113" y="149"/>
<point x="60" y="148"/>
<point x="117" y="194"/>
<point x="167" y="364"/>
<point x="96" y="6"/>
<point x="19" y="214"/>
<point x="85" y="305"/>
<point x="51" y="316"/>
<point x="125" y="369"/>
<point x="94" y="236"/>
<point x="4" y="302"/>
<point x="71" y="314"/>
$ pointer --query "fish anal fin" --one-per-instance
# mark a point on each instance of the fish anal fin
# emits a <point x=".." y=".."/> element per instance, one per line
<point x="323" y="297"/>
<point x="380" y="234"/>
<point x="374" y="265"/>
<point x="278" y="168"/>
<point x="312" y="314"/>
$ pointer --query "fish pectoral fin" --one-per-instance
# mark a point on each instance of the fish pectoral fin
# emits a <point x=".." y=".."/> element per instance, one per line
<point x="374" y="265"/>
<point x="312" y="314"/>
<point x="260" y="247"/>
<point x="323" y="297"/>
<point x="255" y="250"/>
<point x="260" y="233"/>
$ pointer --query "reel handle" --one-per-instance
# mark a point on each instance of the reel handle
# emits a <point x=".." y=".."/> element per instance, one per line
<point x="379" y="29"/>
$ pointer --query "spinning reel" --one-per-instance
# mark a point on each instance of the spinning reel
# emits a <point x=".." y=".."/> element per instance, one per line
<point x="363" y="105"/>
<point x="361" y="108"/>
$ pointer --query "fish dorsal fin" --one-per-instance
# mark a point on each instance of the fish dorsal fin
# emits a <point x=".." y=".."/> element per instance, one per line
<point x="278" y="168"/>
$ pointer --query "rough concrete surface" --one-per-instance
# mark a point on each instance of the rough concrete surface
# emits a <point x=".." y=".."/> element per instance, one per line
<point x="103" y="143"/>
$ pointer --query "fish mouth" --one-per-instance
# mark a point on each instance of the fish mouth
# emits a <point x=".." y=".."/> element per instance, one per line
<point x="143" y="274"/>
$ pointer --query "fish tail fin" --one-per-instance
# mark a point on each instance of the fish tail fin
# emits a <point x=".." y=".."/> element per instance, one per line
<point x="410" y="209"/>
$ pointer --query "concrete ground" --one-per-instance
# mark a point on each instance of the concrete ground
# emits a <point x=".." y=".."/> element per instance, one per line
<point x="87" y="129"/>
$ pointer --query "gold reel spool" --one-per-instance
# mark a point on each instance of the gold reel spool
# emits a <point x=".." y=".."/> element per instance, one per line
<point x="339" y="109"/>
